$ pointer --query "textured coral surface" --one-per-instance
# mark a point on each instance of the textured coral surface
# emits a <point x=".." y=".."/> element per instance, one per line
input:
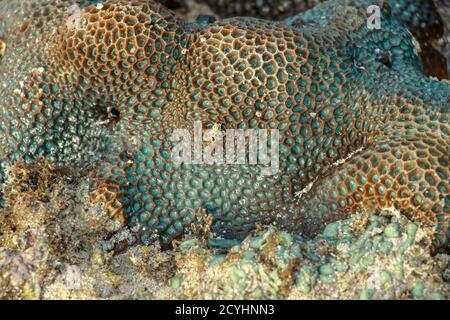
<point x="51" y="248"/>
<point x="420" y="16"/>
<point x="106" y="84"/>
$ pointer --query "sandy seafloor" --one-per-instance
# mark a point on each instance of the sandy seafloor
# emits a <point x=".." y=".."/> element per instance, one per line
<point x="52" y="247"/>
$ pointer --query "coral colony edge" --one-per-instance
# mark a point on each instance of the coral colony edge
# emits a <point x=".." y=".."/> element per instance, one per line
<point x="257" y="145"/>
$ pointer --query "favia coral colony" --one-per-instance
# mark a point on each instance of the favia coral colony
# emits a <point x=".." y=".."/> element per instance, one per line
<point x="91" y="93"/>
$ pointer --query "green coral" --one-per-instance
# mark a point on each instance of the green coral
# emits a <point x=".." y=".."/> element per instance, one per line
<point x="359" y="259"/>
<point x="352" y="259"/>
<point x="360" y="125"/>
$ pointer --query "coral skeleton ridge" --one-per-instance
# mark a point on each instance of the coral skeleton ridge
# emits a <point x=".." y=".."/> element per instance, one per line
<point x="106" y="84"/>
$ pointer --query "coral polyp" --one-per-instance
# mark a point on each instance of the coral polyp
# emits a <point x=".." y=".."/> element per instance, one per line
<point x="106" y="84"/>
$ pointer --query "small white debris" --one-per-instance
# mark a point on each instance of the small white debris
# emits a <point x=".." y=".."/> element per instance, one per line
<point x="415" y="43"/>
<point x="348" y="157"/>
<point x="306" y="189"/>
<point x="2" y="48"/>
<point x="72" y="277"/>
<point x="337" y="163"/>
<point x="39" y="70"/>
<point x="99" y="6"/>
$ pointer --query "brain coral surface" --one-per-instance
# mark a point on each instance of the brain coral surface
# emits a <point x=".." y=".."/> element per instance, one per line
<point x="106" y="84"/>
